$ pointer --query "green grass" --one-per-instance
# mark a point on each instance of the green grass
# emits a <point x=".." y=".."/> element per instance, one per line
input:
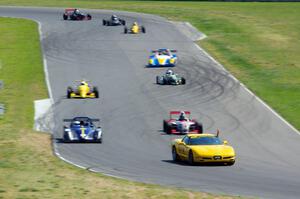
<point x="257" y="42"/>
<point x="28" y="168"/>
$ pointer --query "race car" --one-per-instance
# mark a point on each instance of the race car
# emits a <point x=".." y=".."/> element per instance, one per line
<point x="180" y="122"/>
<point x="135" y="29"/>
<point x="170" y="78"/>
<point x="84" y="90"/>
<point x="202" y="148"/>
<point x="82" y="129"/>
<point x="113" y="21"/>
<point x="76" y="15"/>
<point x="163" y="57"/>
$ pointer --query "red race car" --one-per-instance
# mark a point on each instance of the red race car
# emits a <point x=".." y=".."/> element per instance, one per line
<point x="75" y="14"/>
<point x="180" y="122"/>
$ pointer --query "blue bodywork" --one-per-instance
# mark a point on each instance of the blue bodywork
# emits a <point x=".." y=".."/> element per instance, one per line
<point x="168" y="60"/>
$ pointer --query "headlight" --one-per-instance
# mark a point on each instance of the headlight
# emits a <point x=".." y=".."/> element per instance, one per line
<point x="172" y="61"/>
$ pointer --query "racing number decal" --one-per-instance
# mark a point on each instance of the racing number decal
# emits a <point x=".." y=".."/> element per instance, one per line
<point x="82" y="132"/>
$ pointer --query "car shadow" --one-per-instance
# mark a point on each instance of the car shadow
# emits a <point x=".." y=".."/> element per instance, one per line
<point x="206" y="164"/>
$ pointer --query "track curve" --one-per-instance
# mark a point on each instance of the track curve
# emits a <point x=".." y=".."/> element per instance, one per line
<point x="132" y="107"/>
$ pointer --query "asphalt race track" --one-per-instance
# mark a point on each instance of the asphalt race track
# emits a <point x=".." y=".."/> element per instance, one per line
<point x="131" y="107"/>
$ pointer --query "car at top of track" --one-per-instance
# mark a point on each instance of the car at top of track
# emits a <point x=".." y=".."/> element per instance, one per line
<point x="83" y="90"/>
<point x="180" y="122"/>
<point x="113" y="21"/>
<point x="82" y="129"/>
<point x="203" y="148"/>
<point x="170" y="78"/>
<point x="75" y="14"/>
<point x="162" y="57"/>
<point x="135" y="29"/>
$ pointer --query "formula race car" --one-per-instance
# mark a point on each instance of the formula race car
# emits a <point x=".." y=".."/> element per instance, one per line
<point x="203" y="148"/>
<point x="84" y="90"/>
<point x="135" y="29"/>
<point x="75" y="14"/>
<point x="170" y="78"/>
<point x="180" y="122"/>
<point x="163" y="57"/>
<point x="113" y="21"/>
<point x="82" y="129"/>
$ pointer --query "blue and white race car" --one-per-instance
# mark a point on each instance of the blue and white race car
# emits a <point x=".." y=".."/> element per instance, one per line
<point x="82" y="129"/>
<point x="163" y="57"/>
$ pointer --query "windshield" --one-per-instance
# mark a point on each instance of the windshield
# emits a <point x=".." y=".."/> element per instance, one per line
<point x="205" y="141"/>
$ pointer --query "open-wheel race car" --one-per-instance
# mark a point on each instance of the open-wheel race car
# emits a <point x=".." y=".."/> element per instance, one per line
<point x="135" y="29"/>
<point x="83" y="90"/>
<point x="82" y="129"/>
<point x="180" y="122"/>
<point x="162" y="57"/>
<point x="170" y="78"/>
<point x="113" y="21"/>
<point x="75" y="15"/>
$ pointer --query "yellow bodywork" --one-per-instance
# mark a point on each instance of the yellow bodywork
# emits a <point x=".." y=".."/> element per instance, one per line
<point x="83" y="91"/>
<point x="135" y="29"/>
<point x="204" y="153"/>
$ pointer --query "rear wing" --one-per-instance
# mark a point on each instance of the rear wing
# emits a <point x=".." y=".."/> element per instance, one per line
<point x="86" y="119"/>
<point x="155" y="51"/>
<point x="68" y="10"/>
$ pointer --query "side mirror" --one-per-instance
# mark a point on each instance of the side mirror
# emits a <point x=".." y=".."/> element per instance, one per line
<point x="225" y="142"/>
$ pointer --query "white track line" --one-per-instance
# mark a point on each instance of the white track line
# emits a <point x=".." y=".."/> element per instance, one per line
<point x="250" y="92"/>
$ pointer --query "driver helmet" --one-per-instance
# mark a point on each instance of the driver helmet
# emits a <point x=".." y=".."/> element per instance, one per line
<point x="135" y="23"/>
<point x="77" y="123"/>
<point x="169" y="72"/>
<point x="182" y="115"/>
<point x="82" y="83"/>
<point x="113" y="17"/>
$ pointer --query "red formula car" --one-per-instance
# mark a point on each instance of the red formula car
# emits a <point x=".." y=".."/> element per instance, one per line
<point x="75" y="14"/>
<point x="180" y="122"/>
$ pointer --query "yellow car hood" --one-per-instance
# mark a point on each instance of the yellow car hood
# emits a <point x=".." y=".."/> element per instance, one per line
<point x="212" y="150"/>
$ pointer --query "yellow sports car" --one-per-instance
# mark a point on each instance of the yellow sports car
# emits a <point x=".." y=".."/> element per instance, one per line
<point x="202" y="148"/>
<point x="84" y="90"/>
<point x="135" y="29"/>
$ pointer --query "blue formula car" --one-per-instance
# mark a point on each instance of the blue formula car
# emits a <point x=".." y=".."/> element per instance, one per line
<point x="162" y="57"/>
<point x="82" y="129"/>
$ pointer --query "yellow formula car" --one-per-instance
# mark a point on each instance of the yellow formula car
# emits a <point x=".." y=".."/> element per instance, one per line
<point x="202" y="148"/>
<point x="83" y="90"/>
<point x="135" y="29"/>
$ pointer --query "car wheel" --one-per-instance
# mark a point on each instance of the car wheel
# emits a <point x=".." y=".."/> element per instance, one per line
<point x="65" y="17"/>
<point x="165" y="126"/>
<point x="143" y="29"/>
<point x="66" y="138"/>
<point x="125" y="30"/>
<point x="191" y="158"/>
<point x="157" y="80"/>
<point x="95" y="89"/>
<point x="89" y="17"/>
<point x="168" y="129"/>
<point x="103" y="22"/>
<point x="175" y="155"/>
<point x="123" y="22"/>
<point x="199" y="127"/>
<point x="69" y="91"/>
<point x="182" y="80"/>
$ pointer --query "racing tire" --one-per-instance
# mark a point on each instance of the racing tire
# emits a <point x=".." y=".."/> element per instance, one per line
<point x="191" y="158"/>
<point x="183" y="81"/>
<point x="175" y="156"/>
<point x="168" y="129"/>
<point x="65" y="17"/>
<point x="103" y="22"/>
<point x="165" y="126"/>
<point x="125" y="30"/>
<point x="69" y="91"/>
<point x="89" y="17"/>
<point x="95" y="89"/>
<point x="199" y="127"/>
<point x="143" y="29"/>
<point x="66" y="138"/>
<point x="123" y="22"/>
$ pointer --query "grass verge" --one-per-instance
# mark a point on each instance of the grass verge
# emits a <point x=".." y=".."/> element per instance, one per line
<point x="28" y="168"/>
<point x="257" y="42"/>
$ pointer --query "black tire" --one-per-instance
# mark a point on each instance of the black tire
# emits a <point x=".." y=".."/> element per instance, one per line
<point x="143" y="29"/>
<point x="168" y="129"/>
<point x="199" y="127"/>
<point x="89" y="17"/>
<point x="123" y="22"/>
<point x="108" y="23"/>
<point x="95" y="89"/>
<point x="191" y="158"/>
<point x="69" y="91"/>
<point x="66" y="138"/>
<point x="103" y="22"/>
<point x="175" y="156"/>
<point x="125" y="30"/>
<point x="157" y="80"/>
<point x="65" y="17"/>
<point x="165" y="126"/>
<point x="183" y="81"/>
